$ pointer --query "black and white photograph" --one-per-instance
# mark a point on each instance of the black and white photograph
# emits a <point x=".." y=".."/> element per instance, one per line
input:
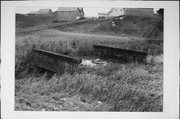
<point x="90" y="58"/>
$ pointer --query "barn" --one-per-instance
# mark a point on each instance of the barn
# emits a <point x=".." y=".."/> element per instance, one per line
<point x="41" y="12"/>
<point x="114" y="12"/>
<point x="69" y="13"/>
<point x="45" y="12"/>
<point x="139" y="11"/>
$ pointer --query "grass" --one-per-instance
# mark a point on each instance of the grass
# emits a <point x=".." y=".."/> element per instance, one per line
<point x="83" y="26"/>
<point x="129" y="87"/>
<point x="82" y="47"/>
<point x="137" y="26"/>
<point x="142" y="26"/>
<point x="24" y="21"/>
<point x="115" y="87"/>
<point x="149" y="27"/>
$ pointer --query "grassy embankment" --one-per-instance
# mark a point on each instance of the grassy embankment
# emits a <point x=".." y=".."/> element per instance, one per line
<point x="148" y="27"/>
<point x="120" y="87"/>
<point x="115" y="87"/>
<point x="25" y="21"/>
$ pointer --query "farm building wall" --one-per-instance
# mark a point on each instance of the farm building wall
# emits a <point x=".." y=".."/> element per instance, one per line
<point x="139" y="11"/>
<point x="41" y="12"/>
<point x="68" y="15"/>
<point x="114" y="12"/>
<point x="103" y="15"/>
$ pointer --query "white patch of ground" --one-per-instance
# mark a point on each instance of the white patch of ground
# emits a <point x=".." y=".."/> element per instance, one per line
<point x="88" y="63"/>
<point x="93" y="63"/>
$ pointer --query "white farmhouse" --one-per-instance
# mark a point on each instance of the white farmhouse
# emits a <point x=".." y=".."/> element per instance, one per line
<point x="114" y="12"/>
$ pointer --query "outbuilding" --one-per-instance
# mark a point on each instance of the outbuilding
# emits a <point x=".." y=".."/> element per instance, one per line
<point x="114" y="12"/>
<point x="41" y="12"/>
<point x="45" y="12"/>
<point x="103" y="15"/>
<point x="69" y="13"/>
<point x="139" y="11"/>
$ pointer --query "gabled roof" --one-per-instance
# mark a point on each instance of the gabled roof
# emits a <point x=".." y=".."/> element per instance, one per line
<point x="102" y="13"/>
<point x="41" y="11"/>
<point x="112" y="9"/>
<point x="44" y="11"/>
<point x="67" y="9"/>
<point x="63" y="9"/>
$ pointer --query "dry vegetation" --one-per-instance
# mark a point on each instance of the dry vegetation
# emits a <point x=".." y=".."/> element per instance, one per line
<point x="115" y="87"/>
<point x="147" y="27"/>
<point x="24" y="21"/>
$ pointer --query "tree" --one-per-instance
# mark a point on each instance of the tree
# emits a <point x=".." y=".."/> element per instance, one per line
<point x="161" y="13"/>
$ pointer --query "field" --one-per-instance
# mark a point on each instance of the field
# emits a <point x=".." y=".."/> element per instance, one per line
<point x="114" y="87"/>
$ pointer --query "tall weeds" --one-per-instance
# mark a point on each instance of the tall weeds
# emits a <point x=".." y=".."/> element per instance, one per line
<point x="75" y="47"/>
<point x="123" y="87"/>
<point x="129" y="88"/>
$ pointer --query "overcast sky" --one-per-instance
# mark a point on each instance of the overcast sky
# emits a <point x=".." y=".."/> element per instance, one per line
<point x="89" y="11"/>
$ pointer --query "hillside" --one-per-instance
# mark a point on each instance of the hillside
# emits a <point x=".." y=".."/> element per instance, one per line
<point x="123" y="86"/>
<point x="139" y="26"/>
<point x="134" y="25"/>
<point x="148" y="27"/>
<point x="24" y="21"/>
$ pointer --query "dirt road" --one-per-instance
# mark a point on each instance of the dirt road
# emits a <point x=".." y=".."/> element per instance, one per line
<point x="53" y="33"/>
<point x="50" y="25"/>
<point x="92" y="35"/>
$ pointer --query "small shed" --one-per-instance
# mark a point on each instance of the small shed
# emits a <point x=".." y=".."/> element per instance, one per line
<point x="69" y="13"/>
<point x="103" y="15"/>
<point x="41" y="12"/>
